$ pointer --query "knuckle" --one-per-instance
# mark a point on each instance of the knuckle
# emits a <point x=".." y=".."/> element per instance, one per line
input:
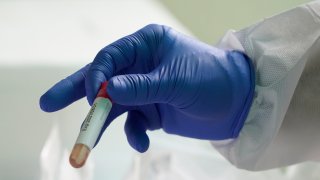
<point x="153" y="30"/>
<point x="153" y="26"/>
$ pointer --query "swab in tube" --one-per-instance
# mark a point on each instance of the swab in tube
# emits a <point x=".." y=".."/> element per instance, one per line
<point x="91" y="128"/>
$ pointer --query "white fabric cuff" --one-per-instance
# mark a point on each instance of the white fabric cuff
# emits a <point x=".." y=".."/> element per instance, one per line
<point x="279" y="48"/>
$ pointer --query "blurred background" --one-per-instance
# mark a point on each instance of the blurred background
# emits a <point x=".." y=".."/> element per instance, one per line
<point x="42" y="42"/>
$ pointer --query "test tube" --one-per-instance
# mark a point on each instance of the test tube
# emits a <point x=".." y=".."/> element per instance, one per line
<point x="91" y="128"/>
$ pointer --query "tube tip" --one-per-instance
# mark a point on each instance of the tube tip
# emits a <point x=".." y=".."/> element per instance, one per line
<point x="79" y="155"/>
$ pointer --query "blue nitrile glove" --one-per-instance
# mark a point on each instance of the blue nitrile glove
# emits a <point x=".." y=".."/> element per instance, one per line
<point x="166" y="80"/>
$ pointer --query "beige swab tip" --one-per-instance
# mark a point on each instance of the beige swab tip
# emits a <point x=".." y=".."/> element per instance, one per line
<point x="79" y="155"/>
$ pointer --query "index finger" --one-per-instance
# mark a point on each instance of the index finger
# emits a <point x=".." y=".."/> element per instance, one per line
<point x="65" y="92"/>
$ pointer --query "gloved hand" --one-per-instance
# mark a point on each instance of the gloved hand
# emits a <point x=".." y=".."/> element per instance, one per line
<point x="166" y="80"/>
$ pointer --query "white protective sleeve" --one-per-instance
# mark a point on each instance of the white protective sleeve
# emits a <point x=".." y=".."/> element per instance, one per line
<point x="283" y="125"/>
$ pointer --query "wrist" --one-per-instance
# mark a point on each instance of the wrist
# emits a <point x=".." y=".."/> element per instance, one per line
<point x="243" y="77"/>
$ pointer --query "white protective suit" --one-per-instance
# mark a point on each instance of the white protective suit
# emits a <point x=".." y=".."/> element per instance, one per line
<point x="283" y="125"/>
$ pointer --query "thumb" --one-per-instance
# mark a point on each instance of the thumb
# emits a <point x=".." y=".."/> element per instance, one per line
<point x="136" y="89"/>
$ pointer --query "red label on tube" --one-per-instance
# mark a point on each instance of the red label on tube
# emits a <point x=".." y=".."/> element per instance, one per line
<point x="103" y="90"/>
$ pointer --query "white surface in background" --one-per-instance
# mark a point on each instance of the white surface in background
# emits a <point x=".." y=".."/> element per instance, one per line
<point x="71" y="32"/>
<point x="54" y="158"/>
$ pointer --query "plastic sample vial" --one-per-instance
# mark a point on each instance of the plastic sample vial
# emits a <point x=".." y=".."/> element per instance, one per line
<point x="91" y="128"/>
